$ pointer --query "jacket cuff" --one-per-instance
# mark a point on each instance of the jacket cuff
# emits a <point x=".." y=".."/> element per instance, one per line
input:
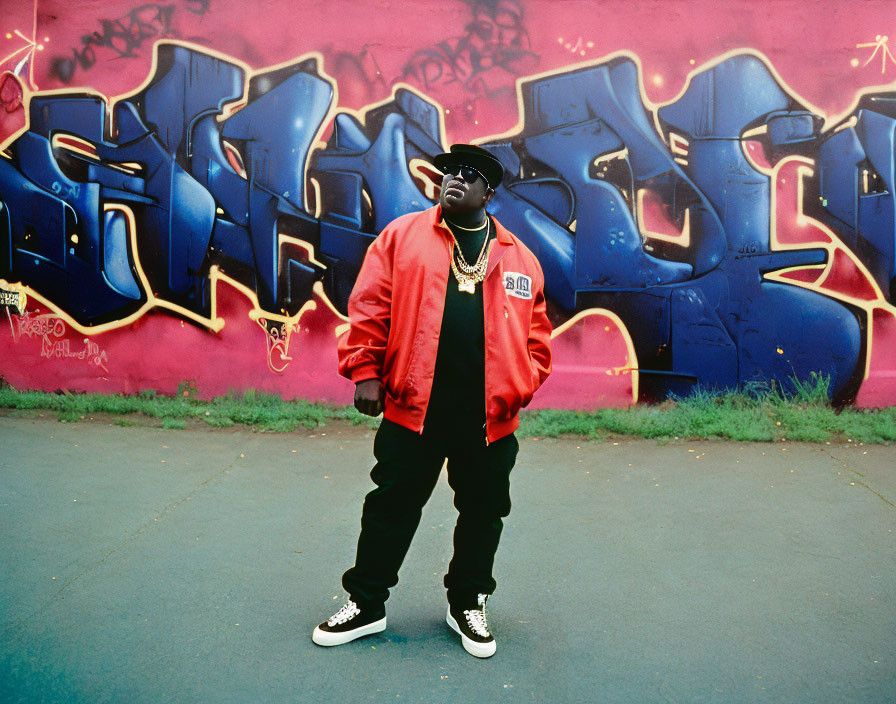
<point x="365" y="372"/>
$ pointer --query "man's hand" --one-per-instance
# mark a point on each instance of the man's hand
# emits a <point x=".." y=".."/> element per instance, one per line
<point x="369" y="397"/>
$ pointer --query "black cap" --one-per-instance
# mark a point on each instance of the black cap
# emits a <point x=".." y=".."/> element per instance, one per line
<point x="477" y="157"/>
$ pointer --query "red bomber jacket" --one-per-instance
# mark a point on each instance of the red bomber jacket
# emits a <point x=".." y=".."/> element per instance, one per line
<point x="396" y="307"/>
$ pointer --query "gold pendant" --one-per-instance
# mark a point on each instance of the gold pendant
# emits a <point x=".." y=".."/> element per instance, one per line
<point x="466" y="287"/>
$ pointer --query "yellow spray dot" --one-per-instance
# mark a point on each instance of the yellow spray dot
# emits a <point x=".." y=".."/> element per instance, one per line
<point x="780" y="351"/>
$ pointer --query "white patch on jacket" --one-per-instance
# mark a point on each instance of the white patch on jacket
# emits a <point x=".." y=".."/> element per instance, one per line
<point x="516" y="284"/>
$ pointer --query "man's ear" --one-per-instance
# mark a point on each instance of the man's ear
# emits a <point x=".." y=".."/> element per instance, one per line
<point x="489" y="192"/>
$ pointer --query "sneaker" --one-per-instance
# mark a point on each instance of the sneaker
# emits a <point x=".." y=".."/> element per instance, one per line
<point x="472" y="626"/>
<point x="348" y="623"/>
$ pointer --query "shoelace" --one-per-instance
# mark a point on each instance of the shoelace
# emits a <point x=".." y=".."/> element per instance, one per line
<point x="349" y="611"/>
<point x="477" y="622"/>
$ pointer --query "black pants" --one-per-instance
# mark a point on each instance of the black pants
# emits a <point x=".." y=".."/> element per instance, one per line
<point x="407" y="469"/>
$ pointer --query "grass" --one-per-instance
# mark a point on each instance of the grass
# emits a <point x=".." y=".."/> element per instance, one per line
<point x="756" y="413"/>
<point x="253" y="408"/>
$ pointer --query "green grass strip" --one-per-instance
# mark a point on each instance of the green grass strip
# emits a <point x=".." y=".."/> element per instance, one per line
<point x="758" y="413"/>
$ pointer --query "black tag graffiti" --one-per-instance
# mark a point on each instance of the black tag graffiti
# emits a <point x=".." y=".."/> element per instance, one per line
<point x="123" y="36"/>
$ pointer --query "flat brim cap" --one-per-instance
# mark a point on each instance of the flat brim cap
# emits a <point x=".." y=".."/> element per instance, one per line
<point x="477" y="157"/>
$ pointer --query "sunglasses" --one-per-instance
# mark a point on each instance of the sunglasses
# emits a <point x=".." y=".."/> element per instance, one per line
<point x="467" y="173"/>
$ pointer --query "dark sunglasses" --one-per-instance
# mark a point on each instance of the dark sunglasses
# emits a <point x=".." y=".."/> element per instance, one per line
<point x="467" y="173"/>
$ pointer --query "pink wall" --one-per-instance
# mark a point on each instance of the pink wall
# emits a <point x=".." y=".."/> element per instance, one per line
<point x="819" y="52"/>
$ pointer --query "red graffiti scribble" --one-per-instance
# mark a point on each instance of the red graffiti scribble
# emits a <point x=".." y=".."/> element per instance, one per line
<point x="53" y="344"/>
<point x="61" y="349"/>
<point x="30" y="325"/>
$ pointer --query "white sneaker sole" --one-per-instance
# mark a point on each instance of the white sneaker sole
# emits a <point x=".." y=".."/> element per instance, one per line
<point x="479" y="650"/>
<point x="328" y="638"/>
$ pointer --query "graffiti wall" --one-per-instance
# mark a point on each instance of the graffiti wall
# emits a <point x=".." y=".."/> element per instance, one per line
<point x="188" y="188"/>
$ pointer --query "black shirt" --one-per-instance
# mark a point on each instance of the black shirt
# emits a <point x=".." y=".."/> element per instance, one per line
<point x="458" y="388"/>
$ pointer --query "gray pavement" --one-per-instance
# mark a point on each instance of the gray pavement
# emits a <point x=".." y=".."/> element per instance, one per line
<point x="145" y="565"/>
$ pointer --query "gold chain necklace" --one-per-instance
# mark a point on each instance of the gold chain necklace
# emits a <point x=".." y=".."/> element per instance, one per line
<point x="468" y="229"/>
<point x="469" y="275"/>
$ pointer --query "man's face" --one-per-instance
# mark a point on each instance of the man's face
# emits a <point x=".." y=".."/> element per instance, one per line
<point x="459" y="197"/>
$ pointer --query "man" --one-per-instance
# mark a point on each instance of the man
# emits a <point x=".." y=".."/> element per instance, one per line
<point x="449" y="338"/>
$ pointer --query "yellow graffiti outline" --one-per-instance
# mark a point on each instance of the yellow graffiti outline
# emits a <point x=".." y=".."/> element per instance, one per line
<point x="318" y="206"/>
<point x="631" y="360"/>
<point x="213" y="322"/>
<point x="415" y="166"/>
<point x="851" y="122"/>
<point x="653" y="108"/>
<point x="249" y="73"/>
<point x="302" y="244"/>
<point x="746" y="134"/>
<point x="360" y="115"/>
<point x="806" y="169"/>
<point x="128" y="167"/>
<point x="678" y="144"/>
<point x="746" y="51"/>
<point x="520" y="127"/>
<point x="610" y="156"/>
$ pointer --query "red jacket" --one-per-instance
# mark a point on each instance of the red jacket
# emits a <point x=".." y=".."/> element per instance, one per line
<point x="396" y="310"/>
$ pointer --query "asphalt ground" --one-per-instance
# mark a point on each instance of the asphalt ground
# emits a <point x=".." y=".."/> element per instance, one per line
<point x="149" y="565"/>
